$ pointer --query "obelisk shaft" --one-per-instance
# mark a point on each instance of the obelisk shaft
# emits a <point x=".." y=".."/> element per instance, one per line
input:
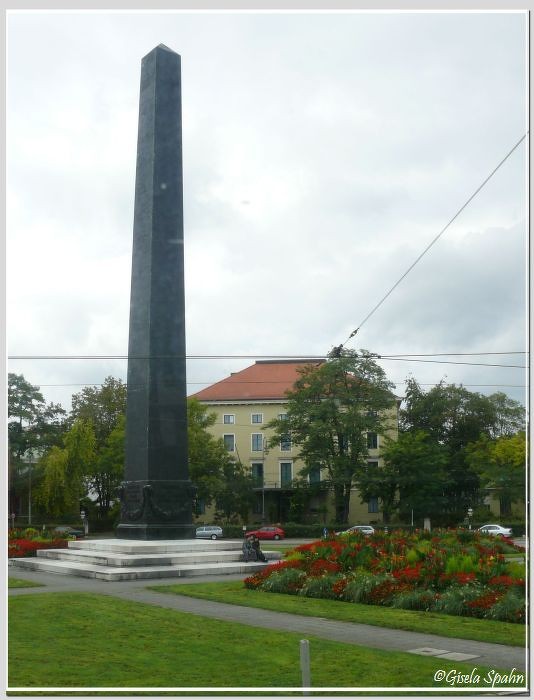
<point x="156" y="496"/>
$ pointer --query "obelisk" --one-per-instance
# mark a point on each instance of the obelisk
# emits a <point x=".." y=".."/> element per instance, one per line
<point x="157" y="495"/>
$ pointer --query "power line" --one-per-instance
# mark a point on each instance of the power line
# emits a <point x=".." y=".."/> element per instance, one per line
<point x="375" y="308"/>
<point x="302" y="357"/>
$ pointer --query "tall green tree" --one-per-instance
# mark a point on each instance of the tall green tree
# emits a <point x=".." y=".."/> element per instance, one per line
<point x="218" y="477"/>
<point x="104" y="407"/>
<point x="501" y="467"/>
<point x="330" y="411"/>
<point x="236" y="495"/>
<point x="413" y="480"/>
<point x="65" y="471"/>
<point x="454" y="417"/>
<point x="107" y="472"/>
<point x="33" y="428"/>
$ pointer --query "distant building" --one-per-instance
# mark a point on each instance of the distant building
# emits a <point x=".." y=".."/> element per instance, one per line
<point x="245" y="402"/>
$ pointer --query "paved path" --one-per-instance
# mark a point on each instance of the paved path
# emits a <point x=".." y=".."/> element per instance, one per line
<point x="478" y="653"/>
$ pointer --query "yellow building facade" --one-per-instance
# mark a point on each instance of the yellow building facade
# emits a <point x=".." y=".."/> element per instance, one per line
<point x="244" y="403"/>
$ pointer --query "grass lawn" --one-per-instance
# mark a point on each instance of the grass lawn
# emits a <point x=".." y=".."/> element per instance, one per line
<point x="21" y="583"/>
<point x="432" y="623"/>
<point x="90" y="640"/>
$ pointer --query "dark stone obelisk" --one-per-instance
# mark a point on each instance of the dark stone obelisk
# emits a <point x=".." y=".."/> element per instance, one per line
<point x="156" y="495"/>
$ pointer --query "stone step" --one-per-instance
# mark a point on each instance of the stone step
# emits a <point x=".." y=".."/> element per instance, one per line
<point x="74" y="568"/>
<point x="102" y="558"/>
<point x="154" y="546"/>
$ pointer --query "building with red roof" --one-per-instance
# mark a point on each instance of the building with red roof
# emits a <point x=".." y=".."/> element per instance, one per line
<point x="244" y="403"/>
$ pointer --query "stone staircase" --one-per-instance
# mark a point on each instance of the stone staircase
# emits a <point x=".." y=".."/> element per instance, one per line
<point x="126" y="560"/>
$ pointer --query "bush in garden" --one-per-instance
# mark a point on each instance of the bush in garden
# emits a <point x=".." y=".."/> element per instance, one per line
<point x="455" y="600"/>
<point x="359" y="589"/>
<point x="284" y="581"/>
<point x="421" y="599"/>
<point x="320" y="586"/>
<point x="510" y="608"/>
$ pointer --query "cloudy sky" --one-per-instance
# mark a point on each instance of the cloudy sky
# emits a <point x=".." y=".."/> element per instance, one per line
<point x="322" y="153"/>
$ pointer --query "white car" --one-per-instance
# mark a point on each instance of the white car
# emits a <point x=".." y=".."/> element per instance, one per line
<point x="210" y="532"/>
<point x="364" y="529"/>
<point x="495" y="530"/>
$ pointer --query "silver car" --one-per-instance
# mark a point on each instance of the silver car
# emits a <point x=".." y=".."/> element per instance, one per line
<point x="495" y="530"/>
<point x="364" y="529"/>
<point x="210" y="532"/>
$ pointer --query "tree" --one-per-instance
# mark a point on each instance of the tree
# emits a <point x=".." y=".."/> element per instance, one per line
<point x="33" y="424"/>
<point x="33" y="427"/>
<point x="454" y="417"/>
<point x="217" y="476"/>
<point x="65" y="470"/>
<point x="330" y="411"/>
<point x="104" y="408"/>
<point x="107" y="471"/>
<point x="413" y="479"/>
<point x="501" y="466"/>
<point x="236" y="496"/>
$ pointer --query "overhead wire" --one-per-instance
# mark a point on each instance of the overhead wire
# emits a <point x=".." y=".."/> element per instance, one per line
<point x="436" y="238"/>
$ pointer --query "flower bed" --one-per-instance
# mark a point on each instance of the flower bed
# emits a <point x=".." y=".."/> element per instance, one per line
<point x="453" y="572"/>
<point x="24" y="543"/>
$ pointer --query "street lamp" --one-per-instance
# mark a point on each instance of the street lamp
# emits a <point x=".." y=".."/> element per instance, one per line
<point x="29" y="487"/>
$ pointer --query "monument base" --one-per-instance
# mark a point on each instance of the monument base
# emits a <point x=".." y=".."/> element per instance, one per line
<point x="156" y="510"/>
<point x="153" y="531"/>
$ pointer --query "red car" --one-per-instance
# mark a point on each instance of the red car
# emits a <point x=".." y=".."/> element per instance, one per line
<point x="267" y="533"/>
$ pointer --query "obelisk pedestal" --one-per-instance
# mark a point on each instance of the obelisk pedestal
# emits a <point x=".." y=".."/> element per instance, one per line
<point x="157" y="495"/>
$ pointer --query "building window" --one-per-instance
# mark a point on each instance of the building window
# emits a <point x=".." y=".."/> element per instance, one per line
<point x="372" y="441"/>
<point x="372" y="465"/>
<point x="315" y="474"/>
<point x="258" y="504"/>
<point x="256" y="418"/>
<point x="200" y="506"/>
<point x="285" y="473"/>
<point x="372" y="506"/>
<point x="229" y="442"/>
<point x="285" y="443"/>
<point x="257" y="442"/>
<point x="228" y="419"/>
<point x="256" y="469"/>
<point x="282" y="416"/>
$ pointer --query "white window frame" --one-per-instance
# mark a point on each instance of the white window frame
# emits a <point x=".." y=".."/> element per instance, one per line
<point x="229" y="415"/>
<point x="372" y="432"/>
<point x="232" y="435"/>
<point x="290" y="448"/>
<point x="253" y="422"/>
<point x="252" y="436"/>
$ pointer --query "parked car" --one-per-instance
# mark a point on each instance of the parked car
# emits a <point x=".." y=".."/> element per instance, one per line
<point x="496" y="530"/>
<point x="69" y="531"/>
<point x="268" y="533"/>
<point x="364" y="529"/>
<point x="211" y="532"/>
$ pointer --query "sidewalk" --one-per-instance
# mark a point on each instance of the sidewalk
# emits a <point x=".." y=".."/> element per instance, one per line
<point x="495" y="656"/>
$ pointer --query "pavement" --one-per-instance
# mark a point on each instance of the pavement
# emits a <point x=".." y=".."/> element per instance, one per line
<point x="496" y="656"/>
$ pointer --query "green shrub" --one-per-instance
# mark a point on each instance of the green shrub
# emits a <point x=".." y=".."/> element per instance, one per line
<point x="454" y="601"/>
<point x="414" y="600"/>
<point x="284" y="581"/>
<point x="510" y="608"/>
<point x="359" y="589"/>
<point x="320" y="586"/>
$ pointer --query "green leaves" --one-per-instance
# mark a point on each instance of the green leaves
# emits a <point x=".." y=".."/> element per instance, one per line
<point x="330" y="411"/>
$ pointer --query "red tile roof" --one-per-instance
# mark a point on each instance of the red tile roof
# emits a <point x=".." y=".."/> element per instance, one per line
<point x="264" y="380"/>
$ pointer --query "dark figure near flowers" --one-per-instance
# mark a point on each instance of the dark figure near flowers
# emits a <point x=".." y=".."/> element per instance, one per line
<point x="248" y="551"/>
<point x="260" y="556"/>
